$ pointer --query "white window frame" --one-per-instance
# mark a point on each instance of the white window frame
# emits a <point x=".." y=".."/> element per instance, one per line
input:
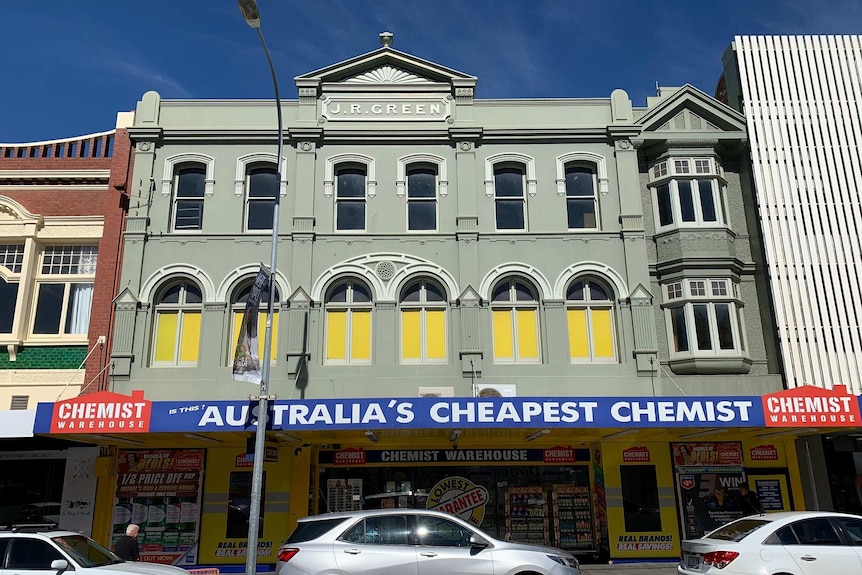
<point x="434" y="200"/>
<point x="40" y="278"/>
<point x="670" y="171"/>
<point x="247" y="199"/>
<point x="423" y="305"/>
<point x="169" y="182"/>
<point x="175" y="198"/>
<point x="13" y="275"/>
<point x="513" y="305"/>
<point x="243" y="163"/>
<point x="181" y="309"/>
<point x="364" y="200"/>
<point x="523" y="198"/>
<point x="405" y="161"/>
<point x="717" y="291"/>
<point x="576" y="160"/>
<point x="588" y="305"/>
<point x="349" y="306"/>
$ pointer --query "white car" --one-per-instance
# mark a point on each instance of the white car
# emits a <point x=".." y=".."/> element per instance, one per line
<point x="788" y="543"/>
<point x="57" y="552"/>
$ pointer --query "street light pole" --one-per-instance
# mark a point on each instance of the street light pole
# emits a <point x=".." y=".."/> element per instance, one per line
<point x="251" y="14"/>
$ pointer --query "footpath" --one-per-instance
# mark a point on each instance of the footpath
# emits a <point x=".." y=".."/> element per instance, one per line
<point x="668" y="568"/>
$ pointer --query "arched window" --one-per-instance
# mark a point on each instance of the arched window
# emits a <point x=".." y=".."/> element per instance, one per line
<point x="423" y="322"/>
<point x="177" y="331"/>
<point x="262" y="185"/>
<point x="590" y="314"/>
<point x="189" y="189"/>
<point x="421" y="197"/>
<point x="515" y="313"/>
<point x="348" y="323"/>
<point x="238" y="303"/>
<point x="510" y="201"/>
<point x="581" y="199"/>
<point x="350" y="197"/>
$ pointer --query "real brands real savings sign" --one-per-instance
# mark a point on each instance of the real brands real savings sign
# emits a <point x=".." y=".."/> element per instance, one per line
<point x="115" y="413"/>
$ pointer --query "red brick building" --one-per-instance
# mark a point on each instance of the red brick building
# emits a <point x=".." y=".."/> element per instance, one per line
<point x="62" y="212"/>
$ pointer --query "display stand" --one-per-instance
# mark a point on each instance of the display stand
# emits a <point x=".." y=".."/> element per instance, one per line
<point x="527" y="515"/>
<point x="573" y="519"/>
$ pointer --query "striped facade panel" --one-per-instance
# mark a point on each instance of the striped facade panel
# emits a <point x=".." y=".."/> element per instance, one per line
<point x="802" y="97"/>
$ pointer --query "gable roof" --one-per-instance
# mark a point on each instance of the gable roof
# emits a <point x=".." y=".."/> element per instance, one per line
<point x="720" y="115"/>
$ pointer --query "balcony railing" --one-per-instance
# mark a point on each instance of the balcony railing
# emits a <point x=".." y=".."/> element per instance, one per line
<point x="99" y="145"/>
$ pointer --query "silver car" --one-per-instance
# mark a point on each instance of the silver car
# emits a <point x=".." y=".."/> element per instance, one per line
<point x="410" y="542"/>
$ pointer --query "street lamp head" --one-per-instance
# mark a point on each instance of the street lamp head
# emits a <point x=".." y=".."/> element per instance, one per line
<point x="250" y="12"/>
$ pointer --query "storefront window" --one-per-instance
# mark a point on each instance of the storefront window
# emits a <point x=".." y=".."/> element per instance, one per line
<point x="640" y="498"/>
<point x="238" y="505"/>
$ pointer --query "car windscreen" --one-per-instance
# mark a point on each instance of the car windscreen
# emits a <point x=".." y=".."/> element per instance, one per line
<point x="309" y="530"/>
<point x="85" y="551"/>
<point x="738" y="530"/>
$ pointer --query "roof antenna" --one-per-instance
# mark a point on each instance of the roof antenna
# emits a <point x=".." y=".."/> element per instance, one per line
<point x="657" y="89"/>
<point x="386" y="39"/>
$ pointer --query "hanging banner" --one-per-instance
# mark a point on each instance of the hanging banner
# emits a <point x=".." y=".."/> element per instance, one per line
<point x="79" y="490"/>
<point x="159" y="490"/>
<point x="246" y="362"/>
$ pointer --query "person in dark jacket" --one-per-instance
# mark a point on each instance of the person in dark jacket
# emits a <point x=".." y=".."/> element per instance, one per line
<point x="127" y="545"/>
<point x="749" y="502"/>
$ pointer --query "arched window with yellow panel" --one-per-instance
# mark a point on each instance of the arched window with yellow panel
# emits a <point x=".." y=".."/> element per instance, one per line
<point x="239" y="299"/>
<point x="348" y="309"/>
<point x="592" y="327"/>
<point x="515" y="319"/>
<point x="422" y="309"/>
<point x="177" y="326"/>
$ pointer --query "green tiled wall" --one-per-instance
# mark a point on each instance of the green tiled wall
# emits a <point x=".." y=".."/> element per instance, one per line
<point x="65" y="357"/>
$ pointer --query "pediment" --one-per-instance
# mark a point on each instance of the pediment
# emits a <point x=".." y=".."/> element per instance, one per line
<point x="385" y="69"/>
<point x="13" y="212"/>
<point x="690" y="110"/>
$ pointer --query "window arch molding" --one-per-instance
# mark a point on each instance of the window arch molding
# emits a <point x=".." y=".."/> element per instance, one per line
<point x="333" y="161"/>
<point x="528" y="272"/>
<point x="192" y="158"/>
<point x="528" y="161"/>
<point x="345" y="272"/>
<point x="156" y="280"/>
<point x="237" y="276"/>
<point x="421" y="272"/>
<point x="596" y="160"/>
<point x="401" y="172"/>
<point x="243" y="163"/>
<point x="596" y="269"/>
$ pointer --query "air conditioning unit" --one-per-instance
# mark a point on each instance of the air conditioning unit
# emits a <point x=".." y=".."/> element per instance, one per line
<point x="436" y="392"/>
<point x="497" y="390"/>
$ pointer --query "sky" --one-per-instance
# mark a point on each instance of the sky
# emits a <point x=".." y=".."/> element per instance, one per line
<point x="67" y="68"/>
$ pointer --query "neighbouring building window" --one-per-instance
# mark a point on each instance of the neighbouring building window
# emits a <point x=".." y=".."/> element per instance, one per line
<point x="189" y="188"/>
<point x="581" y="200"/>
<point x="238" y="303"/>
<point x="423" y="323"/>
<point x="515" y="316"/>
<point x="704" y="317"/>
<point x="421" y="198"/>
<point x="177" y="330"/>
<point x="590" y="315"/>
<point x="11" y="263"/>
<point x="348" y="323"/>
<point x="510" y="203"/>
<point x="262" y="186"/>
<point x="350" y="194"/>
<point x="64" y="290"/>
<point x="687" y="192"/>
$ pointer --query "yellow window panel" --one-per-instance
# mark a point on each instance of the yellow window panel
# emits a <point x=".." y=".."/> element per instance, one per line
<point x="435" y="334"/>
<point x="273" y="352"/>
<point x="166" y="336"/>
<point x="579" y="343"/>
<point x="190" y="339"/>
<point x="528" y="340"/>
<point x="603" y="333"/>
<point x="237" y="324"/>
<point x="503" y="345"/>
<point x="360" y="335"/>
<point x="411" y="334"/>
<point x="336" y="334"/>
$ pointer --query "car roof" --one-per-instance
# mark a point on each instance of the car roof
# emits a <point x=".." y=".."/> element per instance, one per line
<point x="23" y="530"/>
<point x="375" y="512"/>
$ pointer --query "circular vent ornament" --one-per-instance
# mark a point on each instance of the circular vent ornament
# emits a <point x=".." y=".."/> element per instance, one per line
<point x="385" y="270"/>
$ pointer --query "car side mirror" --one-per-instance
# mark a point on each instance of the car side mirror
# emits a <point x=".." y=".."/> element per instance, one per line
<point x="59" y="565"/>
<point x="476" y="541"/>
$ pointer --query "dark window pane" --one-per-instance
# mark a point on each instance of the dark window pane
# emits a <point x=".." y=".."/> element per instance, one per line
<point x="412" y="292"/>
<point x="172" y="295"/>
<point x="190" y="214"/>
<point x="786" y="536"/>
<point x="437" y="532"/>
<point x="27" y="553"/>
<point x="350" y="215"/>
<point x="260" y="214"/>
<point x="351" y="183"/>
<point x="421" y="183"/>
<point x="263" y="183"/>
<point x="707" y="200"/>
<point x="191" y="182"/>
<point x="852" y="529"/>
<point x="49" y="306"/>
<point x="361" y="293"/>
<point x="501" y="292"/>
<point x="701" y="326"/>
<point x="680" y="332"/>
<point x="725" y="329"/>
<point x="8" y="299"/>
<point x="576" y="291"/>
<point x="386" y="530"/>
<point x="193" y="293"/>
<point x="421" y="216"/>
<point x="686" y="201"/>
<point x="817" y="531"/>
<point x="665" y="212"/>
<point x="510" y="214"/>
<point x="78" y="308"/>
<point x="433" y="292"/>
<point x="338" y="293"/>
<point x="641" y="511"/>
<point x="239" y="505"/>
<point x="311" y="530"/>
<point x="598" y="292"/>
<point x="523" y="293"/>
<point x="241" y="296"/>
<point x="579" y="181"/>
<point x="509" y="182"/>
<point x="582" y="213"/>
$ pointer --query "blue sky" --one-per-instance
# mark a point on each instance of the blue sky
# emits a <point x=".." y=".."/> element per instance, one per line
<point x="68" y="67"/>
